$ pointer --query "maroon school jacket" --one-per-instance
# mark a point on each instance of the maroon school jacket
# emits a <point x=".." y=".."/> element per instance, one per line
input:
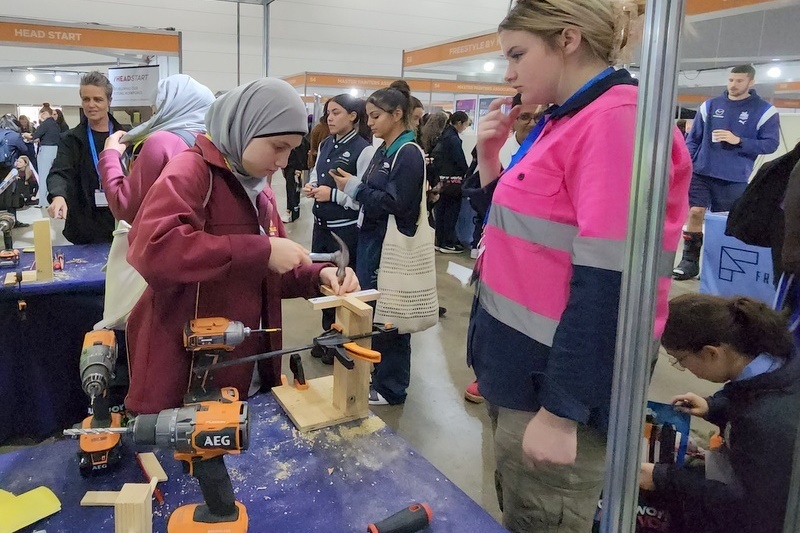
<point x="177" y="245"/>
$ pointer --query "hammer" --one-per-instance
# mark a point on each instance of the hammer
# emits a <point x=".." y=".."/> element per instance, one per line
<point x="340" y="257"/>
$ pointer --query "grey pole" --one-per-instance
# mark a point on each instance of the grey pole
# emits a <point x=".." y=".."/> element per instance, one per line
<point x="635" y="342"/>
<point x="265" y="45"/>
<point x="238" y="44"/>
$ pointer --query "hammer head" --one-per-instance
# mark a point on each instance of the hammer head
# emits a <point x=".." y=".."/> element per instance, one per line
<point x="340" y="257"/>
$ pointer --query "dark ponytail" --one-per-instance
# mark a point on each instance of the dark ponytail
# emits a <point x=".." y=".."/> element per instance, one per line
<point x="749" y="326"/>
<point x="396" y="96"/>
<point x="351" y="104"/>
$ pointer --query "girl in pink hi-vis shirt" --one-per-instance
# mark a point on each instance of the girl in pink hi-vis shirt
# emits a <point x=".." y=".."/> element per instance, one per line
<point x="543" y="327"/>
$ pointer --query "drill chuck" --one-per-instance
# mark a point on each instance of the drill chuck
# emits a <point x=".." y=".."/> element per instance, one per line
<point x="98" y="359"/>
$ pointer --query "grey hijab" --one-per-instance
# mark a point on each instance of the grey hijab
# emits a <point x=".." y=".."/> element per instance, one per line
<point x="181" y="104"/>
<point x="263" y="108"/>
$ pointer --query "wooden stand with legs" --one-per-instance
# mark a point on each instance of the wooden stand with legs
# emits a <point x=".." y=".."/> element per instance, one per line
<point x="344" y="396"/>
<point x="43" y="252"/>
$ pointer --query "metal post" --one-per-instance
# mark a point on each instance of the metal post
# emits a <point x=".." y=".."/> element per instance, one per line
<point x="265" y="45"/>
<point x="635" y="342"/>
<point x="792" y="522"/>
<point x="238" y="44"/>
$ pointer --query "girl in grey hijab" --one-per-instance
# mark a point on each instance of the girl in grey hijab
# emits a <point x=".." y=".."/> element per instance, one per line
<point x="205" y="250"/>
<point x="267" y="107"/>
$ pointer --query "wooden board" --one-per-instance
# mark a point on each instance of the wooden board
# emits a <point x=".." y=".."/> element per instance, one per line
<point x="99" y="498"/>
<point x="43" y="249"/>
<point x="152" y="467"/>
<point x="28" y="276"/>
<point x="312" y="408"/>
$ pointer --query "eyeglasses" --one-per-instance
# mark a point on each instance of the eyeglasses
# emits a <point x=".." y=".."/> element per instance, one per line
<point x="676" y="363"/>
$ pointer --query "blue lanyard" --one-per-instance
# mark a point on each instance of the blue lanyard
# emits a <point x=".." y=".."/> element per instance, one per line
<point x="527" y="144"/>
<point x="93" y="149"/>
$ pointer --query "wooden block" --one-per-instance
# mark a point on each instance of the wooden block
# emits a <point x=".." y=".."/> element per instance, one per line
<point x="329" y="301"/>
<point x="28" y="276"/>
<point x="43" y="247"/>
<point x="351" y="387"/>
<point x="133" y="510"/>
<point x="312" y="408"/>
<point x="153" y="467"/>
<point x="99" y="498"/>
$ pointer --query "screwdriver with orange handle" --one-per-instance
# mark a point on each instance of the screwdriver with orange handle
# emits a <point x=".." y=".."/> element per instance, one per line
<point x="412" y="519"/>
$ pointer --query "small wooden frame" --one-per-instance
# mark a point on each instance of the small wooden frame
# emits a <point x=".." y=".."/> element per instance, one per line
<point x="43" y="250"/>
<point x="343" y="397"/>
<point x="152" y="467"/>
<point x="133" y="506"/>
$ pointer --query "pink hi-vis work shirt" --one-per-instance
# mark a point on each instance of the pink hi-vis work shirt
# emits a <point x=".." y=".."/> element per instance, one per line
<point x="544" y="327"/>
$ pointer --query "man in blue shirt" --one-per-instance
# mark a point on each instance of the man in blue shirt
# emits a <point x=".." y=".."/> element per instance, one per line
<point x="728" y="134"/>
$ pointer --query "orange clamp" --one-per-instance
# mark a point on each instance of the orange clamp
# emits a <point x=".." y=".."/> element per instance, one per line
<point x="365" y="354"/>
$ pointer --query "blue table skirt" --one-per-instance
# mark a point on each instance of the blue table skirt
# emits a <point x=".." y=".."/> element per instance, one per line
<point x="334" y="480"/>
<point x="40" y="390"/>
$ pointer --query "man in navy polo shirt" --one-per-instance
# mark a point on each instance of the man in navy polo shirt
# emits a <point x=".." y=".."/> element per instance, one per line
<point x="728" y="134"/>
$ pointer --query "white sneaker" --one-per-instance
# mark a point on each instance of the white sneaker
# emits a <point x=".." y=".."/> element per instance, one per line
<point x="473" y="254"/>
<point x="375" y="398"/>
<point x="287" y="218"/>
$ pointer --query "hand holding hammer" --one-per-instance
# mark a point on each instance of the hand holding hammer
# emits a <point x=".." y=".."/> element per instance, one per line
<point x="345" y="277"/>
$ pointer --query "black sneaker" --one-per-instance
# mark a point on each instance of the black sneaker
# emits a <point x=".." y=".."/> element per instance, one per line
<point x="19" y="224"/>
<point x="442" y="311"/>
<point x="686" y="270"/>
<point x="449" y="249"/>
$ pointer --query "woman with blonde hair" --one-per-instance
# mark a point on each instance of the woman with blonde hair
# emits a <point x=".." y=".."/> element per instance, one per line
<point x="543" y="327"/>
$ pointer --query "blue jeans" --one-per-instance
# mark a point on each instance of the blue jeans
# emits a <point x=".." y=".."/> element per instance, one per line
<point x="393" y="374"/>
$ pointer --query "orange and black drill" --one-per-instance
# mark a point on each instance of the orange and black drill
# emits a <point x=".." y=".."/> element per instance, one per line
<point x="201" y="434"/>
<point x="99" y="452"/>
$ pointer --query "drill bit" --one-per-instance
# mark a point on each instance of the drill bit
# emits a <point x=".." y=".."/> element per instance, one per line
<point x="94" y="431"/>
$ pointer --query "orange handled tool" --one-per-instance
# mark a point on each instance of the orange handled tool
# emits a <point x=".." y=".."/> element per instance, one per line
<point x="413" y="518"/>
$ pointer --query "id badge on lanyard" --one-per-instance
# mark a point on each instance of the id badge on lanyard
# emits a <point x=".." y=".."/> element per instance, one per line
<point x="100" y="199"/>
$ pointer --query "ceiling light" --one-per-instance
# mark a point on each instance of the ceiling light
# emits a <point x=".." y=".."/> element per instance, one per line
<point x="774" y="72"/>
<point x="489" y="66"/>
<point x="57" y="78"/>
<point x="776" y="59"/>
<point x="353" y="92"/>
<point x="30" y="77"/>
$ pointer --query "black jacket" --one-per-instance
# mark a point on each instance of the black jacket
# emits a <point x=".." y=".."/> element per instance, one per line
<point x="48" y="133"/>
<point x="73" y="176"/>
<point x="448" y="155"/>
<point x="760" y="417"/>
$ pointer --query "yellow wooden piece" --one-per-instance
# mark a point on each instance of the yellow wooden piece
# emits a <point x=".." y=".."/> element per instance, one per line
<point x="18" y="512"/>
<point x="43" y="249"/>
<point x="28" y="276"/>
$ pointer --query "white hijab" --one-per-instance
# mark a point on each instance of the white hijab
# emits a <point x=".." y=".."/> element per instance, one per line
<point x="181" y="104"/>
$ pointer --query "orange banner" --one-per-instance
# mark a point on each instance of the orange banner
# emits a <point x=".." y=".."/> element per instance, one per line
<point x="48" y="36"/>
<point x="701" y="7"/>
<point x="786" y="103"/>
<point x="692" y="98"/>
<point x="788" y="87"/>
<point x="417" y="85"/>
<point x="465" y="87"/>
<point x="473" y="46"/>
<point x="297" y="80"/>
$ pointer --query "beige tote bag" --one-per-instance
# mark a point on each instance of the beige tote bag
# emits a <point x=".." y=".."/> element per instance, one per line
<point x="407" y="273"/>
